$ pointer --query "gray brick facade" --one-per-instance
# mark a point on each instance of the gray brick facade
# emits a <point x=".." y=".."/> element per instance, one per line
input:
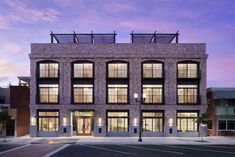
<point x="100" y="54"/>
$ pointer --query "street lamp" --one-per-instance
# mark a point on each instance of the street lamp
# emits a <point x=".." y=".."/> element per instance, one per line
<point x="140" y="114"/>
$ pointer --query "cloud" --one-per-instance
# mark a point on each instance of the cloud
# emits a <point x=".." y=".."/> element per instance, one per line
<point x="3" y="79"/>
<point x="117" y="7"/>
<point x="25" y="13"/>
<point x="3" y="22"/>
<point x="7" y="68"/>
<point x="10" y="48"/>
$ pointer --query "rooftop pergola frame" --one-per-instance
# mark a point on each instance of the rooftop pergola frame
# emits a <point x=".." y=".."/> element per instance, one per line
<point x="83" y="38"/>
<point x="110" y="38"/>
<point x="154" y="37"/>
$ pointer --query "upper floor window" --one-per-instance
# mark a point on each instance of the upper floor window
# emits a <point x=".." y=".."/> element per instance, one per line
<point x="48" y="70"/>
<point x="152" y="70"/>
<point x="83" y="93"/>
<point x="83" y="70"/>
<point x="117" y="93"/>
<point x="187" y="70"/>
<point x="48" y="93"/>
<point x="117" y="70"/>
<point x="187" y="94"/>
<point x="153" y="94"/>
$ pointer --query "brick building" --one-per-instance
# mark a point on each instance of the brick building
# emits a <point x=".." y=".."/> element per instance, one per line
<point x="84" y="84"/>
<point x="221" y="108"/>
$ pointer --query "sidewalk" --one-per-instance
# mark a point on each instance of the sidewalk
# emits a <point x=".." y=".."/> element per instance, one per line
<point x="212" y="140"/>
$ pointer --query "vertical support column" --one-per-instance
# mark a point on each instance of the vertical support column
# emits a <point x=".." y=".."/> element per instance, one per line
<point x="33" y="122"/>
<point x="65" y="123"/>
<point x="170" y="128"/>
<point x="134" y="87"/>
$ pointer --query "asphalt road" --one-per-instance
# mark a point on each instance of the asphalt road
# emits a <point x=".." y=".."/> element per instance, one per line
<point x="77" y="150"/>
<point x="4" y="147"/>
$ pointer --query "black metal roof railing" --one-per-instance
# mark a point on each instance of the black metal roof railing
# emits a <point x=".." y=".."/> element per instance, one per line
<point x="154" y="37"/>
<point x="84" y="38"/>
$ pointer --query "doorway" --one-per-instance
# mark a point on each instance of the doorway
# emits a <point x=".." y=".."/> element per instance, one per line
<point x="84" y="125"/>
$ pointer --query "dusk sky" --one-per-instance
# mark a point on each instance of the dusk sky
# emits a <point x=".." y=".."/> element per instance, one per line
<point x="198" y="21"/>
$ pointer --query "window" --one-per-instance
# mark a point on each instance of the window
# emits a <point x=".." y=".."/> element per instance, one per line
<point x="83" y="70"/>
<point x="117" y="70"/>
<point x="117" y="121"/>
<point x="226" y="125"/>
<point x="117" y="93"/>
<point x="153" y="94"/>
<point x="48" y="93"/>
<point x="83" y="93"/>
<point x="48" y="121"/>
<point x="152" y="121"/>
<point x="48" y="70"/>
<point x="152" y="70"/>
<point x="187" y="70"/>
<point x="186" y="121"/>
<point x="187" y="94"/>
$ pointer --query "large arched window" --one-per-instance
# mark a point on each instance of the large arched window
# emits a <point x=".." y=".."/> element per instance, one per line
<point x="187" y="69"/>
<point x="117" y="69"/>
<point x="48" y="69"/>
<point x="152" y="69"/>
<point x="83" y="69"/>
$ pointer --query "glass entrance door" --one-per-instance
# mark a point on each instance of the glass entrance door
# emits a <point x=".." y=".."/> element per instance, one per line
<point x="84" y="125"/>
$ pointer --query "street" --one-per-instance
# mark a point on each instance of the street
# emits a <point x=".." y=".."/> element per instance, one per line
<point x="83" y="150"/>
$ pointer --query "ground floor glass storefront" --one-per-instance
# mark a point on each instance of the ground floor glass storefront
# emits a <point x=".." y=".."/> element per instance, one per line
<point x="117" y="122"/>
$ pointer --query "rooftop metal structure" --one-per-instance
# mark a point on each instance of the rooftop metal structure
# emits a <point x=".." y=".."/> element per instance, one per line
<point x="110" y="38"/>
<point x="154" y="37"/>
<point x="84" y="38"/>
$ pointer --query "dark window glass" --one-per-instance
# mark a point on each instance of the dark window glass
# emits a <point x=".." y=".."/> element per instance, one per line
<point x="231" y="124"/>
<point x="222" y="124"/>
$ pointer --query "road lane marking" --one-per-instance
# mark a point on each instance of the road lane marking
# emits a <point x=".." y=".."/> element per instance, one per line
<point x="102" y="148"/>
<point x="215" y="146"/>
<point x="156" y="150"/>
<point x="55" y="151"/>
<point x="206" y="150"/>
<point x="9" y="150"/>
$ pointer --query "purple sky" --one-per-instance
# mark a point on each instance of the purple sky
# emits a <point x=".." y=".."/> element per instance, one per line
<point x="213" y="22"/>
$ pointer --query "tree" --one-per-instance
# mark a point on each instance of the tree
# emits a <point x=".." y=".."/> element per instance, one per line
<point x="4" y="117"/>
<point x="203" y="120"/>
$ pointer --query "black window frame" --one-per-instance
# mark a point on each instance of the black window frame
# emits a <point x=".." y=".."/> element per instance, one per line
<point x="83" y="102"/>
<point x="46" y="80"/>
<point x="146" y="117"/>
<point x="47" y="110"/>
<point x="82" y="81"/>
<point x="153" y="103"/>
<point x="39" y="94"/>
<point x="188" y="62"/>
<point x="128" y="120"/>
<point x="153" y="81"/>
<point x="187" y="111"/>
<point x="113" y="81"/>
<point x="188" y="83"/>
